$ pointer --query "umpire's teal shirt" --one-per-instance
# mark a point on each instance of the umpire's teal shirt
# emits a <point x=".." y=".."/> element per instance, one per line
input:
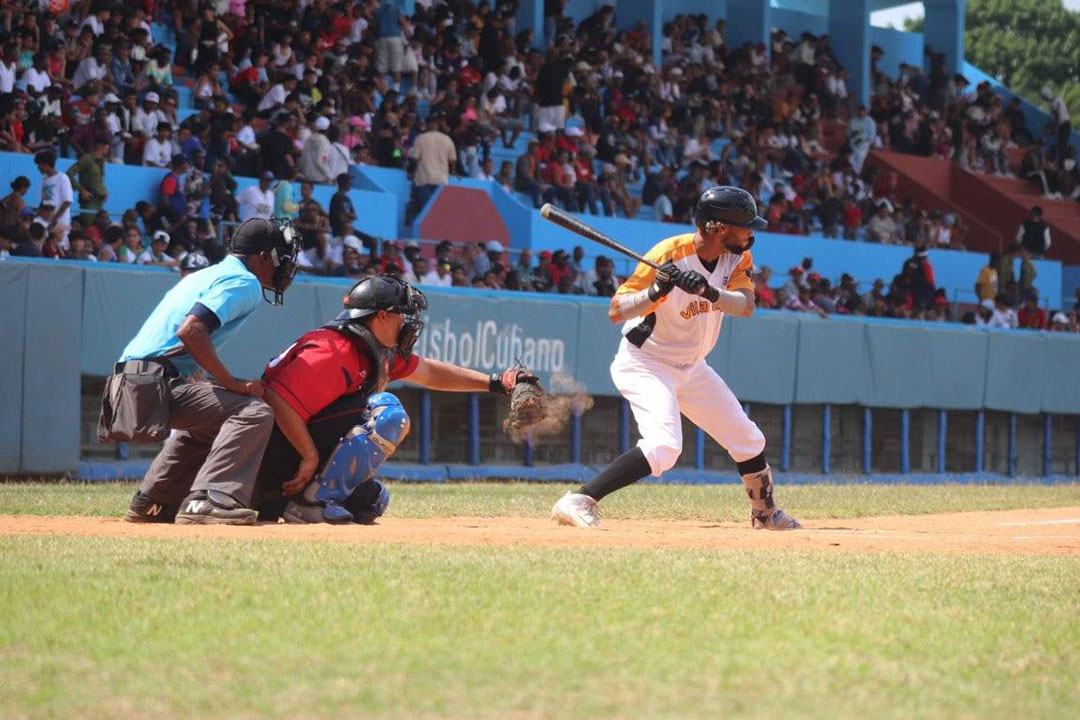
<point x="228" y="289"/>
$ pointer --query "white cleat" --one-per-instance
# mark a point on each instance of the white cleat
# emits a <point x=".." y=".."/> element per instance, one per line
<point x="575" y="509"/>
<point x="777" y="520"/>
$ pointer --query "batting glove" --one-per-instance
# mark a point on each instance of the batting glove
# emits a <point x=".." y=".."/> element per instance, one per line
<point x="691" y="281"/>
<point x="666" y="279"/>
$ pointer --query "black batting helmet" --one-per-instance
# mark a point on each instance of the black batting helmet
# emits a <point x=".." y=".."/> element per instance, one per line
<point x="728" y="205"/>
<point x="385" y="292"/>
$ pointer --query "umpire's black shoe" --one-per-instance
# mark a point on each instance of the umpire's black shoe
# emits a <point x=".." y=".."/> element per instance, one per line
<point x="144" y="509"/>
<point x="210" y="507"/>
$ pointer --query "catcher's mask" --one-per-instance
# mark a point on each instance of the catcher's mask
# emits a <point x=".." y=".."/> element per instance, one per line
<point x="280" y="240"/>
<point x="385" y="292"/>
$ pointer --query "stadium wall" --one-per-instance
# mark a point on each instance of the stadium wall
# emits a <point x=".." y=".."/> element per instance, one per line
<point x="68" y="320"/>
<point x="128" y="184"/>
<point x="956" y="271"/>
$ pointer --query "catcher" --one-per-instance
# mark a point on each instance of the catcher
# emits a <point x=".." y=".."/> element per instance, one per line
<point x="335" y="425"/>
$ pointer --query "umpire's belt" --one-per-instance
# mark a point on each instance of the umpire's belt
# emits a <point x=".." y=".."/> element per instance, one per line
<point x="136" y="367"/>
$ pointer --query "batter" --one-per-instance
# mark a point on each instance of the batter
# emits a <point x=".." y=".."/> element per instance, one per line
<point x="668" y="330"/>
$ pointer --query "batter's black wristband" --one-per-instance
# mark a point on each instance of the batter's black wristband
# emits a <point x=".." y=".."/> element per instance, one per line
<point x="495" y="384"/>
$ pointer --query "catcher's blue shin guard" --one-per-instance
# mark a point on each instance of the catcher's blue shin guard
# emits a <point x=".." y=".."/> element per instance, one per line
<point x="353" y="463"/>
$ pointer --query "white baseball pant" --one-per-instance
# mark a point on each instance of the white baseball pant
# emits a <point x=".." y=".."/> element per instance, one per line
<point x="658" y="392"/>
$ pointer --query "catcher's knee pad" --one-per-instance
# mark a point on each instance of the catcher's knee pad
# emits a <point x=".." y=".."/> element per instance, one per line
<point x="360" y="453"/>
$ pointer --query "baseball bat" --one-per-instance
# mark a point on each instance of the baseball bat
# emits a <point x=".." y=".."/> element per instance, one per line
<point x="564" y="219"/>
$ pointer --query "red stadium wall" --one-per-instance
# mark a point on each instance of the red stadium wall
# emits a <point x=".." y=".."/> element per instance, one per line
<point x="463" y="214"/>
<point x="993" y="207"/>
<point x="930" y="183"/>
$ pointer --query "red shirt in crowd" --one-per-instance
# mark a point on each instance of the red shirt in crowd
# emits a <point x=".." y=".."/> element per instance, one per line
<point x="322" y="366"/>
<point x="852" y="216"/>
<point x="1033" y="319"/>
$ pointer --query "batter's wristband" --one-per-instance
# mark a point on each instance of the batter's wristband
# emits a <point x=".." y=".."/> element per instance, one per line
<point x="495" y="384"/>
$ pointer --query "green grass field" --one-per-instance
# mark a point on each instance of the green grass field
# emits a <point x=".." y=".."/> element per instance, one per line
<point x="107" y="627"/>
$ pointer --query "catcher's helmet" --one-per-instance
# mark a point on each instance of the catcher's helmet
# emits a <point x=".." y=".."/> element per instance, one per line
<point x="728" y="205"/>
<point x="280" y="239"/>
<point x="385" y="292"/>
<point x="193" y="262"/>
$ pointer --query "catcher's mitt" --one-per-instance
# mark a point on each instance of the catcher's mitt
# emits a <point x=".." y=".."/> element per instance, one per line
<point x="528" y="406"/>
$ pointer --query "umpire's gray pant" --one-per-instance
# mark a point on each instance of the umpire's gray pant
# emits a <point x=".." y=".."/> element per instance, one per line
<point x="218" y="444"/>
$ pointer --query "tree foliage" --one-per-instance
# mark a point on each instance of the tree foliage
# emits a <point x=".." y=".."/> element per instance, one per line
<point x="1025" y="44"/>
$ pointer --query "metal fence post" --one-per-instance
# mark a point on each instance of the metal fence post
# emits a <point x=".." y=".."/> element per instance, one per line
<point x="575" y="436"/>
<point x="867" y="435"/>
<point x="425" y="427"/>
<point x="826" y="438"/>
<point x="624" y="426"/>
<point x="905" y="441"/>
<point x="1048" y="444"/>
<point x="785" y="440"/>
<point x="980" y="428"/>
<point x="1010" y="448"/>
<point x="942" y="433"/>
<point x="474" y="429"/>
<point x="699" y="449"/>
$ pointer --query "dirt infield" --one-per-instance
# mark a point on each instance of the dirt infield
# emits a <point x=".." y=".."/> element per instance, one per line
<point x="1045" y="531"/>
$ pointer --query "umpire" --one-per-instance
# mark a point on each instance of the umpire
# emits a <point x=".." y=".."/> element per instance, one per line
<point x="221" y="427"/>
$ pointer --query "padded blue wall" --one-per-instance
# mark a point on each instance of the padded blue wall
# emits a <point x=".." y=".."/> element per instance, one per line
<point x="955" y="271"/>
<point x="773" y="357"/>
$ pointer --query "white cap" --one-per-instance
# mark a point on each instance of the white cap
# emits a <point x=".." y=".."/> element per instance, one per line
<point x="351" y="241"/>
<point x="494" y="246"/>
<point x="987" y="304"/>
<point x="1060" y="319"/>
<point x="546" y="128"/>
<point x="152" y="97"/>
<point x="574" y="131"/>
<point x="321" y="123"/>
<point x="161" y="235"/>
<point x="111" y="98"/>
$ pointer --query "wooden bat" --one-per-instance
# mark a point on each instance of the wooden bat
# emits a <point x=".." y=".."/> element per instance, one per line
<point x="564" y="219"/>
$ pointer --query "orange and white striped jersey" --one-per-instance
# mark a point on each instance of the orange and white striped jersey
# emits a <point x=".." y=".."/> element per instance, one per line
<point x="680" y="328"/>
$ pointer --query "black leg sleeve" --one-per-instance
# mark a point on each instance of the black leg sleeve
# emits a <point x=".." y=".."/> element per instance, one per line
<point x="628" y="468"/>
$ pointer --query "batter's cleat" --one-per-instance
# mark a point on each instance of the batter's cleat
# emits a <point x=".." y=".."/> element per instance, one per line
<point x="576" y="509"/>
<point x="144" y="509"/>
<point x="776" y="519"/>
<point x="210" y="507"/>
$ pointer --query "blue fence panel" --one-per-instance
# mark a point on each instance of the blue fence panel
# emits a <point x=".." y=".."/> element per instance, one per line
<point x="753" y="373"/>
<point x="1015" y="372"/>
<point x="14" y="279"/>
<point x="831" y="365"/>
<point x="895" y="376"/>
<point x="51" y="378"/>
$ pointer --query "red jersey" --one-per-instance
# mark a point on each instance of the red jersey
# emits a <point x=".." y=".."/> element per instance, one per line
<point x="322" y="366"/>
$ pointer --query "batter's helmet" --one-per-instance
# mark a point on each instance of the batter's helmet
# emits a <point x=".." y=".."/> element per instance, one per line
<point x="728" y="205"/>
<point x="385" y="292"/>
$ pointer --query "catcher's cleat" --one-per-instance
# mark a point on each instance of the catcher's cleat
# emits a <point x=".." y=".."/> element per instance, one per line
<point x="775" y="519"/>
<point x="576" y="509"/>
<point x="144" y="509"/>
<point x="210" y="507"/>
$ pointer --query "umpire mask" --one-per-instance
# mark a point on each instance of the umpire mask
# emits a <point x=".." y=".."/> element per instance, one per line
<point x="277" y="239"/>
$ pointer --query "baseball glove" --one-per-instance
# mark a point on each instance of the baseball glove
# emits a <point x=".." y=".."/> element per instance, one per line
<point x="528" y="406"/>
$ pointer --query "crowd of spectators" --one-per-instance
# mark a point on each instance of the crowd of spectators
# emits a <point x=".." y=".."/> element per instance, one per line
<point x="301" y="90"/>
<point x="934" y="115"/>
<point x="291" y="91"/>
